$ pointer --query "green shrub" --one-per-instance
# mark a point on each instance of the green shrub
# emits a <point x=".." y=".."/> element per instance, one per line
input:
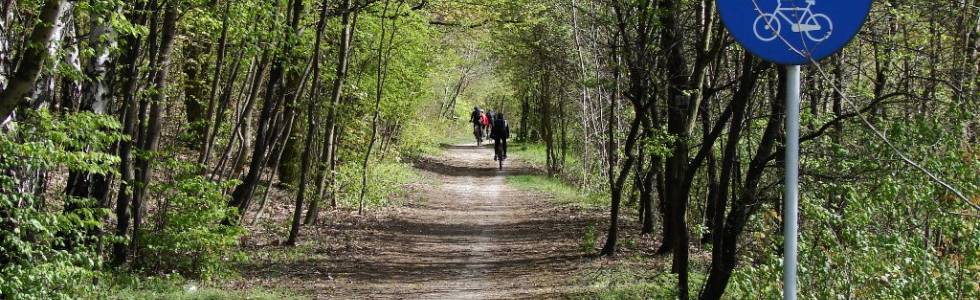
<point x="385" y="180"/>
<point x="175" y="287"/>
<point x="36" y="259"/>
<point x="629" y="279"/>
<point x="590" y="239"/>
<point x="424" y="137"/>
<point x="561" y="192"/>
<point x="898" y="236"/>
<point x="190" y="237"/>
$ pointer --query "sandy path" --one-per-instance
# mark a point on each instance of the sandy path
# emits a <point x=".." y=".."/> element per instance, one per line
<point x="467" y="236"/>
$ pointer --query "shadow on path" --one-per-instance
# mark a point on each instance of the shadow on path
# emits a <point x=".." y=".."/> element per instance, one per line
<point x="468" y="236"/>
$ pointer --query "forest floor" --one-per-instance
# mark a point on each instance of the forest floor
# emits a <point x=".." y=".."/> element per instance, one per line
<point x="462" y="233"/>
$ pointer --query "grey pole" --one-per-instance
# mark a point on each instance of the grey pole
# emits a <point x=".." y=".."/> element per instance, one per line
<point x="791" y="197"/>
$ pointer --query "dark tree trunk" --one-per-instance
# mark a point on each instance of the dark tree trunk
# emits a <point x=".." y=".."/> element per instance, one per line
<point x="336" y="90"/>
<point x="544" y="107"/>
<point x="209" y="130"/>
<point x="130" y="66"/>
<point x="242" y="195"/>
<point x="241" y="125"/>
<point x="151" y="140"/>
<point x="679" y="106"/>
<point x="727" y="229"/>
<point x="311" y="129"/>
<point x="616" y="190"/>
<point x="646" y="198"/>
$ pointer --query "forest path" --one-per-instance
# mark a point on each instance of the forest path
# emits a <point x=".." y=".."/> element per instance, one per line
<point x="464" y="235"/>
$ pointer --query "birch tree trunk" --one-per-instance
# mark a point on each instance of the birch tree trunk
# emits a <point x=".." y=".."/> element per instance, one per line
<point x="33" y="58"/>
<point x="6" y="35"/>
<point x="95" y="97"/>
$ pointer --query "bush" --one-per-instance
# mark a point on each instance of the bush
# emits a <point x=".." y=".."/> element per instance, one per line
<point x="424" y="137"/>
<point x="562" y="193"/>
<point x="175" y="287"/>
<point x="629" y="279"/>
<point x="190" y="237"/>
<point x="385" y="179"/>
<point x="45" y="251"/>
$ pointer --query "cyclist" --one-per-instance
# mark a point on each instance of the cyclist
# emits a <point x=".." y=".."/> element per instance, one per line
<point x="484" y="123"/>
<point x="475" y="118"/>
<point x="500" y="133"/>
<point x="490" y="117"/>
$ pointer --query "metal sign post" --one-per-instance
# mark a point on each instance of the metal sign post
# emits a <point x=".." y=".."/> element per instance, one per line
<point x="792" y="193"/>
<point x="793" y="33"/>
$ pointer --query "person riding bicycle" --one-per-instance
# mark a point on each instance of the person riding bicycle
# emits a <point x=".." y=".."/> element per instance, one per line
<point x="500" y="133"/>
<point x="491" y="115"/>
<point x="475" y="115"/>
<point x="476" y="120"/>
<point x="484" y="123"/>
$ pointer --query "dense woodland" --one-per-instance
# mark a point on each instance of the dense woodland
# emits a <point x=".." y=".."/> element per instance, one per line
<point x="145" y="137"/>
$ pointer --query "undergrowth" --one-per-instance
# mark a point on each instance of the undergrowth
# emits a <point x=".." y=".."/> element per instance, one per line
<point x="177" y="288"/>
<point x="630" y="278"/>
<point x="385" y="183"/>
<point x="562" y="193"/>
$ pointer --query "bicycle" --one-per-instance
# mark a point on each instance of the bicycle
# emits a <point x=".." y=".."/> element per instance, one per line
<point x="811" y="24"/>
<point x="498" y="149"/>
<point x="478" y="133"/>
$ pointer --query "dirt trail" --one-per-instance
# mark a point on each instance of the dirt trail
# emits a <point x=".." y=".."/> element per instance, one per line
<point x="467" y="235"/>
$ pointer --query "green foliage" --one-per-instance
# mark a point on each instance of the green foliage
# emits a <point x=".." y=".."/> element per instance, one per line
<point x="628" y="280"/>
<point x="424" y="137"/>
<point x="896" y="237"/>
<point x="177" y="288"/>
<point x="36" y="259"/>
<point x="532" y="153"/>
<point x="385" y="181"/>
<point x="561" y="192"/>
<point x="659" y="145"/>
<point x="190" y="237"/>
<point x="590" y="239"/>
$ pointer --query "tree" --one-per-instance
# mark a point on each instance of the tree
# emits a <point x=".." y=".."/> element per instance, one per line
<point x="33" y="58"/>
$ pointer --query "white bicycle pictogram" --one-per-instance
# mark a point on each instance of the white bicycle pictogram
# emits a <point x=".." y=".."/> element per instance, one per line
<point x="817" y="27"/>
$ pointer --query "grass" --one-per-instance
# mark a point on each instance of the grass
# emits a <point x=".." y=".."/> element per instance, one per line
<point x="633" y="278"/>
<point x="627" y="282"/>
<point x="176" y="288"/>
<point x="425" y="138"/>
<point x="385" y="183"/>
<point x="534" y="154"/>
<point x="562" y="193"/>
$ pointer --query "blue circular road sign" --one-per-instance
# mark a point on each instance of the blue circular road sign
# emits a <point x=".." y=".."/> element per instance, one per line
<point x="792" y="32"/>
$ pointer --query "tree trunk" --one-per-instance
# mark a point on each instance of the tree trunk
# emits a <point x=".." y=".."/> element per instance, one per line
<point x="6" y="63"/>
<point x="96" y="98"/>
<point x="242" y="195"/>
<point x="336" y="90"/>
<point x="210" y="131"/>
<point x="33" y="58"/>
<point x="384" y="54"/>
<point x="241" y="128"/>
<point x="616" y="190"/>
<point x="151" y="140"/>
<point x="727" y="229"/>
<point x="311" y="129"/>
<point x="130" y="66"/>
